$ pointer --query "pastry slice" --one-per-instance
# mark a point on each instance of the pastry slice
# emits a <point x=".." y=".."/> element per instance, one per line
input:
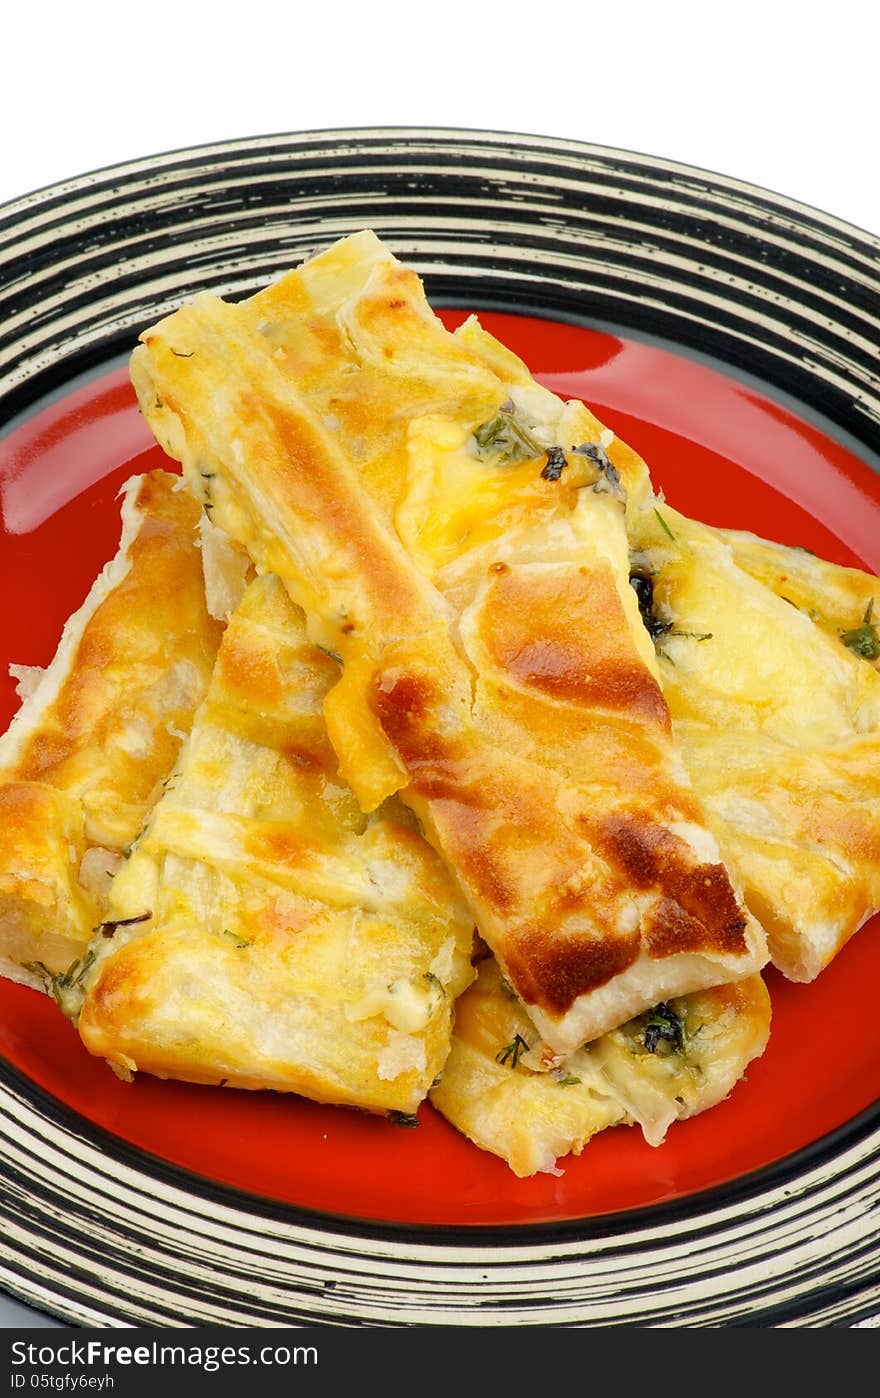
<point x="264" y="933"/>
<point x="778" y="723"/>
<point x="675" y="1061"/>
<point x="459" y="541"/>
<point x="87" y="752"/>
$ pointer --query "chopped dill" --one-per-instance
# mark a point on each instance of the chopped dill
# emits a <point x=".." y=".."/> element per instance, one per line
<point x="662" y="1023"/>
<point x="511" y="1053"/>
<point x="663" y="525"/>
<point x="506" y="437"/>
<point x="330" y="654"/>
<point x="108" y="928"/>
<point x="404" y="1118"/>
<point x="864" y="640"/>
<point x="239" y="941"/>
<point x="609" y="482"/>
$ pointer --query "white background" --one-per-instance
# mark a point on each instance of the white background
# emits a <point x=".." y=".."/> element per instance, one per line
<point x="781" y="94"/>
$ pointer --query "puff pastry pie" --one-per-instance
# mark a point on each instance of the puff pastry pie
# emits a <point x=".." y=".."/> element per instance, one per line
<point x="265" y="933"/>
<point x="86" y="754"/>
<point x="458" y="538"/>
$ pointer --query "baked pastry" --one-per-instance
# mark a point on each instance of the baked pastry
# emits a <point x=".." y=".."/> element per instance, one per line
<point x="778" y="721"/>
<point x="86" y="754"/>
<point x="264" y="933"/>
<point x="459" y="540"/>
<point x="675" y="1061"/>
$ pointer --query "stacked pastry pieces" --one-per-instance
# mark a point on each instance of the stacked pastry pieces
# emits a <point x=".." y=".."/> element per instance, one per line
<point x="441" y="704"/>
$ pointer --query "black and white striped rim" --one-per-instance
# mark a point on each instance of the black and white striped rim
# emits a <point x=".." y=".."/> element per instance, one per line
<point x="100" y="1234"/>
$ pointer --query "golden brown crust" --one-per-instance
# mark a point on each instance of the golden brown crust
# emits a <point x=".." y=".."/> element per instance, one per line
<point x="535" y="631"/>
<point x="153" y="619"/>
<point x="86" y="755"/>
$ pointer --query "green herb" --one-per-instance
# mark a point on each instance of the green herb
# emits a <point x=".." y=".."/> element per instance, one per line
<point x="663" y="1023"/>
<point x="67" y="986"/>
<point x="663" y="525"/>
<point x="41" y="971"/>
<point x="609" y="479"/>
<point x="239" y="941"/>
<point x="434" y="982"/>
<point x="331" y="654"/>
<point x="108" y="928"/>
<point x="403" y="1118"/>
<point x="555" y="464"/>
<point x="512" y="1052"/>
<point x="506" y="437"/>
<point x="643" y="586"/>
<point x="508" y="989"/>
<point x="864" y="640"/>
<point x="566" y="1079"/>
<point x="692" y="635"/>
<point x="594" y="452"/>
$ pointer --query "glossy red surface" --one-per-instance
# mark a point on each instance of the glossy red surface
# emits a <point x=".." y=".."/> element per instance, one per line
<point x="721" y="452"/>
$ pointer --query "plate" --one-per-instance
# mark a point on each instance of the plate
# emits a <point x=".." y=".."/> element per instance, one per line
<point x="727" y="334"/>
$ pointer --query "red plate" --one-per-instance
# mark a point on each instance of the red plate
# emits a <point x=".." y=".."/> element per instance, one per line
<point x="721" y="452"/>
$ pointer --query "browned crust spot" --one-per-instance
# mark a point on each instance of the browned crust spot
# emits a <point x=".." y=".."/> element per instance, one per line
<point x="697" y="910"/>
<point x="553" y="970"/>
<point x="404" y="702"/>
<point x="566" y="636"/>
<point x="283" y="846"/>
<point x="250" y="669"/>
<point x="310" y="479"/>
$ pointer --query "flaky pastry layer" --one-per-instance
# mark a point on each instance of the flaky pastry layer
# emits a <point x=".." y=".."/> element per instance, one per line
<point x="86" y="754"/>
<point x="269" y="935"/>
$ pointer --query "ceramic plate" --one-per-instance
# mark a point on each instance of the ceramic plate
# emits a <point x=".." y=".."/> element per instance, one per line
<point x="730" y="336"/>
